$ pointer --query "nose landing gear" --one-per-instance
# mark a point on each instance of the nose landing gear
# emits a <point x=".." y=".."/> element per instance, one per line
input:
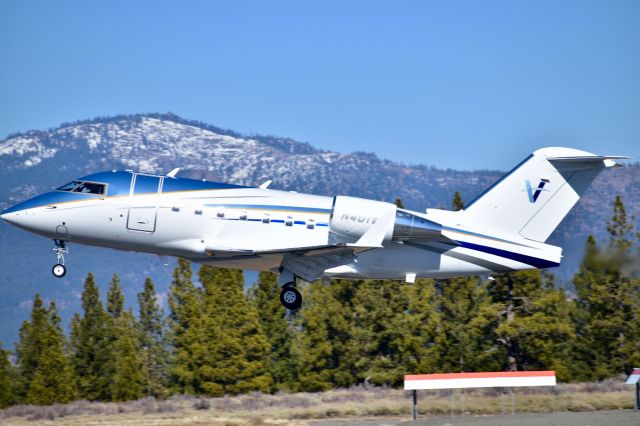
<point x="60" y="248"/>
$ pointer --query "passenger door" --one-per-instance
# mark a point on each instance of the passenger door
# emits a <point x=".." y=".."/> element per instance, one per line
<point x="143" y="208"/>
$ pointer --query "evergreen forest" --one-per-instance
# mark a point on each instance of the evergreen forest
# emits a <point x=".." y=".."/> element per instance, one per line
<point x="217" y="338"/>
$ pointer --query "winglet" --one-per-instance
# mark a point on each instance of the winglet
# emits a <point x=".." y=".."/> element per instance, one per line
<point x="265" y="184"/>
<point x="173" y="172"/>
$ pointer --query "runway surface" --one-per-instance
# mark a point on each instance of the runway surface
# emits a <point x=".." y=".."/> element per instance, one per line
<point x="588" y="418"/>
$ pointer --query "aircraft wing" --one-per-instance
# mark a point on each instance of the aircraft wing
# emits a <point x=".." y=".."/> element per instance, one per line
<point x="310" y="262"/>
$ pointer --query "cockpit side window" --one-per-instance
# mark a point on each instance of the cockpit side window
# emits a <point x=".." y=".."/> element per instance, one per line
<point x="70" y="186"/>
<point x="84" y="187"/>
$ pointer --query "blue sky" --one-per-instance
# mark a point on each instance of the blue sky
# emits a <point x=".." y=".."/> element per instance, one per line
<point x="460" y="84"/>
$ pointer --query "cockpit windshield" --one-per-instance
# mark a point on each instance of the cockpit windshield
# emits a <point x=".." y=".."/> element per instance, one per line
<point x="84" y="187"/>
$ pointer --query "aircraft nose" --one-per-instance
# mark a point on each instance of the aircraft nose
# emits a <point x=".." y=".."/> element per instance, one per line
<point x="7" y="217"/>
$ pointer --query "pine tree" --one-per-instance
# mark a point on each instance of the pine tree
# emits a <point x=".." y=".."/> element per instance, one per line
<point x="608" y="303"/>
<point x="127" y="377"/>
<point x="620" y="229"/>
<point x="607" y="312"/>
<point x="152" y="334"/>
<point x="272" y="318"/>
<point x="457" y="202"/>
<point x="54" y="379"/>
<point x="8" y="380"/>
<point x="184" y="296"/>
<point x="115" y="298"/>
<point x="536" y="328"/>
<point x="393" y="329"/>
<point x="235" y="348"/>
<point x="90" y="342"/>
<point x="425" y="323"/>
<point x="33" y="335"/>
<point x="468" y="319"/>
<point x="322" y="346"/>
<point x="186" y="332"/>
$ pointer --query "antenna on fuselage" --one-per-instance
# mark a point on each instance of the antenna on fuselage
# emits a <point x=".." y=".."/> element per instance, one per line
<point x="266" y="184"/>
<point x="173" y="172"/>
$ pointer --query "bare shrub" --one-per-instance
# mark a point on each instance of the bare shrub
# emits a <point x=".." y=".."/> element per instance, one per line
<point x="44" y="413"/>
<point x="150" y="405"/>
<point x="22" y="410"/>
<point x="300" y="400"/>
<point x="165" y="406"/>
<point x="202" y="404"/>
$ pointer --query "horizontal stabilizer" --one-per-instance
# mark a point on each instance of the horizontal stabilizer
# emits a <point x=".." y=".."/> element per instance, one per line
<point x="588" y="160"/>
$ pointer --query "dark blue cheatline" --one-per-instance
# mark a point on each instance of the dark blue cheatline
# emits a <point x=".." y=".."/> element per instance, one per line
<point x="529" y="260"/>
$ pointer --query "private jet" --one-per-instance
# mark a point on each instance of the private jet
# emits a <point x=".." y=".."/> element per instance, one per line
<point x="311" y="237"/>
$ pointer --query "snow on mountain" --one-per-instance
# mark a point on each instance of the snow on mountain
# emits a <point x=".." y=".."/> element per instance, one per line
<point x="157" y="143"/>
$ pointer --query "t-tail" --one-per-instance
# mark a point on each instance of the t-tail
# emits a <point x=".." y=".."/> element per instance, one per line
<point x="533" y="198"/>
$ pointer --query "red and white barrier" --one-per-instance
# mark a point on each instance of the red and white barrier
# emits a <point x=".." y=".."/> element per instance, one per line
<point x="501" y="379"/>
<point x="479" y="380"/>
<point x="634" y="377"/>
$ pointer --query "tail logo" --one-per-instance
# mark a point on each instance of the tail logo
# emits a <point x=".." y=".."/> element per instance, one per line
<point x="535" y="193"/>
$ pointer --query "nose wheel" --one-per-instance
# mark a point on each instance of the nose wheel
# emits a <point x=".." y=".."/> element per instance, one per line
<point x="290" y="297"/>
<point x="60" y="248"/>
<point x="59" y="270"/>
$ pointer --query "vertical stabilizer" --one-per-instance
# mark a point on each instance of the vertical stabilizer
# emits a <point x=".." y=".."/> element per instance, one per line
<point x="534" y="197"/>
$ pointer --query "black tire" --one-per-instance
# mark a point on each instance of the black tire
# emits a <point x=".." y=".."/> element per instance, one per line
<point x="59" y="270"/>
<point x="290" y="297"/>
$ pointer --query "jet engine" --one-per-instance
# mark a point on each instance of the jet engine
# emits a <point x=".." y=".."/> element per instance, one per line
<point x="352" y="217"/>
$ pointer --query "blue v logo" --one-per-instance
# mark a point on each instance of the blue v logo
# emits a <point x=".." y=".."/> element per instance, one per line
<point x="535" y="193"/>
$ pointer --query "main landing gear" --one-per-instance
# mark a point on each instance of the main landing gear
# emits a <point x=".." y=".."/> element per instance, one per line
<point x="290" y="297"/>
<point x="60" y="247"/>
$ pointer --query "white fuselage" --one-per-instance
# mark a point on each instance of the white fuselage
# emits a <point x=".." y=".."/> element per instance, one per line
<point x="254" y="228"/>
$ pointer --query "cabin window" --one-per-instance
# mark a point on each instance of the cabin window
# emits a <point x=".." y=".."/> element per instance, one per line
<point x="289" y="221"/>
<point x="84" y="187"/>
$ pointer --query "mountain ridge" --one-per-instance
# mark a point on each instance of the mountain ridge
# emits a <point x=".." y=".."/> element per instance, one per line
<point x="36" y="161"/>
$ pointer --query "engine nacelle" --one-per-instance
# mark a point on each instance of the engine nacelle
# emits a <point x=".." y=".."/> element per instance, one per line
<point x="352" y="217"/>
<point x="409" y="226"/>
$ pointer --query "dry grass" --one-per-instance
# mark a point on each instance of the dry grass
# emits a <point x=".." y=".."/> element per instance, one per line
<point x="257" y="409"/>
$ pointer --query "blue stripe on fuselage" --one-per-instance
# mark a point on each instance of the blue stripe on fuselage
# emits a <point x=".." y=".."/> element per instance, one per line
<point x="523" y="258"/>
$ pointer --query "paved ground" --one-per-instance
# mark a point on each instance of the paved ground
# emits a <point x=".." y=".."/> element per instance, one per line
<point x="589" y="418"/>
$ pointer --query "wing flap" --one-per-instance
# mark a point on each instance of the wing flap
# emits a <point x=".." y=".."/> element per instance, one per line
<point x="309" y="263"/>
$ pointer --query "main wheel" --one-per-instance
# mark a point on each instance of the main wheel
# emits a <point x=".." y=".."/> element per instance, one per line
<point x="59" y="270"/>
<point x="290" y="297"/>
